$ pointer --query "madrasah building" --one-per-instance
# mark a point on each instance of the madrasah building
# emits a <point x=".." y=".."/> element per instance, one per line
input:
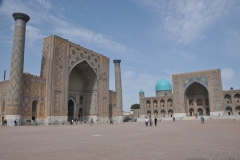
<point x="73" y="83"/>
<point x="191" y="94"/>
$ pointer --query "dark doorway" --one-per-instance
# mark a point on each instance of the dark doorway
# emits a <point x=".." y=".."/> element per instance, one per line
<point x="229" y="110"/>
<point x="34" y="110"/>
<point x="207" y="111"/>
<point x="200" y="112"/>
<point x="191" y="111"/>
<point x="110" y="111"/>
<point x="70" y="110"/>
<point x="80" y="114"/>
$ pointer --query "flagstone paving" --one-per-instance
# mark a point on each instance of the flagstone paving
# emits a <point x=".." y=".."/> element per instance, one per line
<point x="180" y="140"/>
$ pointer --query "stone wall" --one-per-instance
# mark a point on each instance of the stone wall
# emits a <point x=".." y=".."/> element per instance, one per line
<point x="3" y="97"/>
<point x="161" y="106"/>
<point x="231" y="102"/>
<point x="34" y="91"/>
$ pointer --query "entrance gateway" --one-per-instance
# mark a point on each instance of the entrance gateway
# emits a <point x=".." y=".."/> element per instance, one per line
<point x="73" y="82"/>
<point x="196" y="99"/>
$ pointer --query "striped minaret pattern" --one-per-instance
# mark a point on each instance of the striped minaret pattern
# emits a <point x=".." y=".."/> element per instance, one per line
<point x="118" y="86"/>
<point x="14" y="96"/>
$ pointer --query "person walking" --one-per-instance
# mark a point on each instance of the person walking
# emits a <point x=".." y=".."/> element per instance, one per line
<point x="173" y="119"/>
<point x="159" y="119"/>
<point x="146" y="122"/>
<point x="4" y="123"/>
<point x="202" y="120"/>
<point x="15" y="122"/>
<point x="111" y="121"/>
<point x="155" y="121"/>
<point x="150" y="120"/>
<point x="91" y="121"/>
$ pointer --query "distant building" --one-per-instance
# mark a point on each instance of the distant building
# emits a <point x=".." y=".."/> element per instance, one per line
<point x="195" y="93"/>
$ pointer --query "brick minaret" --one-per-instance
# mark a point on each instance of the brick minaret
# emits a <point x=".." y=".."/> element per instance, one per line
<point x="14" y="96"/>
<point x="118" y="89"/>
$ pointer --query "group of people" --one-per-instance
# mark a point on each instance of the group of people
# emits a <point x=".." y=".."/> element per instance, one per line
<point x="4" y="123"/>
<point x="150" y="121"/>
<point x="77" y="120"/>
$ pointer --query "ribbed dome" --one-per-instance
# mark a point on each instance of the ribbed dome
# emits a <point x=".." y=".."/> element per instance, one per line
<point x="163" y="85"/>
<point x="141" y="92"/>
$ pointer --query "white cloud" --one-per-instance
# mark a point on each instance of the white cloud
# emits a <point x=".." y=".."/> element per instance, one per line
<point x="76" y="33"/>
<point x="185" y="21"/>
<point x="44" y="3"/>
<point x="144" y="81"/>
<point x="232" y="44"/>
<point x="187" y="56"/>
<point x="227" y="74"/>
<point x="34" y="34"/>
<point x="37" y="11"/>
<point x="41" y="15"/>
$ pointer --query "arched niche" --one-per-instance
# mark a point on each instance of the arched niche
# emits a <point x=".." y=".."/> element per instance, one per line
<point x="195" y="96"/>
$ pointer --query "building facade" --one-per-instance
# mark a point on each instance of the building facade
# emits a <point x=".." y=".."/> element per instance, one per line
<point x="73" y="83"/>
<point x="191" y="94"/>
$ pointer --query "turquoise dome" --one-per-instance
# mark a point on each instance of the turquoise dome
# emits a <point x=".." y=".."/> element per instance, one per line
<point x="141" y="92"/>
<point x="163" y="85"/>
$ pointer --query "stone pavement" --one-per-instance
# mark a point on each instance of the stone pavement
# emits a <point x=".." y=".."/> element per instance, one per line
<point x="180" y="140"/>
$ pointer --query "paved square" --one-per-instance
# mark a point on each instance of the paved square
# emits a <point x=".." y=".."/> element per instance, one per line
<point x="190" y="140"/>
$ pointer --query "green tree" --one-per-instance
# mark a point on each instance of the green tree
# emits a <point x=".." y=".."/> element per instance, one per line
<point x="135" y="106"/>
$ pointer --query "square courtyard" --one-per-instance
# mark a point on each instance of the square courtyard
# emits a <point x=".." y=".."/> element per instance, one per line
<point x="182" y="139"/>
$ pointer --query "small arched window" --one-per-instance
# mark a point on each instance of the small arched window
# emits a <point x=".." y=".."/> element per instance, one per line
<point x="190" y="103"/>
<point x="155" y="103"/>
<point x="81" y="99"/>
<point x="207" y="102"/>
<point x="228" y="98"/>
<point x="162" y="103"/>
<point x="199" y="102"/>
<point x="170" y="102"/>
<point x="34" y="106"/>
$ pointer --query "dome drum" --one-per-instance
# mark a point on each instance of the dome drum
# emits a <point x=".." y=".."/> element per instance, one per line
<point x="163" y="93"/>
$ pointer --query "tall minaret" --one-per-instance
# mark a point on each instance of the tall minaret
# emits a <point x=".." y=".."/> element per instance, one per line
<point x="118" y="89"/>
<point x="14" y="96"/>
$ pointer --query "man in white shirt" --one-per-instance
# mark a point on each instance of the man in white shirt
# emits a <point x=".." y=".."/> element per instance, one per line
<point x="146" y="122"/>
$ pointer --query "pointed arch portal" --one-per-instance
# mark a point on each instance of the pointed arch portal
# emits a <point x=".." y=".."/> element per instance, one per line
<point x="82" y="88"/>
<point x="196" y="96"/>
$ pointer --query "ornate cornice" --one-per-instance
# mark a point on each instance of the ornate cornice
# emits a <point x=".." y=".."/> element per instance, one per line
<point x="117" y="61"/>
<point x="21" y="16"/>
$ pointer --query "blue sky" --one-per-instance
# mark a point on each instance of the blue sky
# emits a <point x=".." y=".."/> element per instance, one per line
<point x="153" y="38"/>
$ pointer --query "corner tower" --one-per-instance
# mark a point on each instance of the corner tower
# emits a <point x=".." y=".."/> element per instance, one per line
<point x="14" y="96"/>
<point x="141" y="101"/>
